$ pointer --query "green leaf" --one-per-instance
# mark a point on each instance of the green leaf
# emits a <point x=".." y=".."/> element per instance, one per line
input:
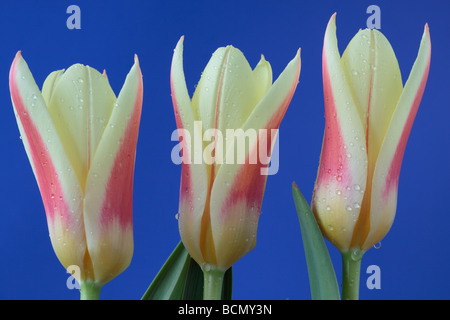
<point x="322" y="278"/>
<point x="181" y="278"/>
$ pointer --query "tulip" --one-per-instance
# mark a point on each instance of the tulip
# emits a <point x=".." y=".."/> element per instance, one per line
<point x="368" y="118"/>
<point x="220" y="201"/>
<point x="81" y="142"/>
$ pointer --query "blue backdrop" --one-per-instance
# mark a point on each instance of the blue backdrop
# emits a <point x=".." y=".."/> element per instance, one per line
<point x="414" y="256"/>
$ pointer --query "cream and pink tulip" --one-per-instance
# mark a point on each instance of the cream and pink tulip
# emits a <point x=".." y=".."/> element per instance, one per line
<point x="220" y="202"/>
<point x="81" y="143"/>
<point x="368" y="118"/>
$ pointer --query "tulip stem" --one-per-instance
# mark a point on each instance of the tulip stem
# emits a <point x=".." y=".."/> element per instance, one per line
<point x="89" y="291"/>
<point x="351" y="268"/>
<point x="212" y="285"/>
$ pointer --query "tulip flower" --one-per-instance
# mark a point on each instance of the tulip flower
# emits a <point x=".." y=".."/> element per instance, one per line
<point x="220" y="201"/>
<point x="81" y="142"/>
<point x="368" y="118"/>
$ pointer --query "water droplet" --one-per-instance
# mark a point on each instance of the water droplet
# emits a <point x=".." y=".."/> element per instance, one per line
<point x="177" y="216"/>
<point x="357" y="254"/>
<point x="377" y="245"/>
<point x="206" y="267"/>
<point x="354" y="72"/>
<point x="348" y="208"/>
<point x="328" y="208"/>
<point x="357" y="187"/>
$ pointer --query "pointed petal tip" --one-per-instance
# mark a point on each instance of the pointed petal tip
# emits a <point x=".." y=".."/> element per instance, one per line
<point x="180" y="42"/>
<point x="17" y="57"/>
<point x="333" y="17"/>
<point x="136" y="60"/>
<point x="426" y="30"/>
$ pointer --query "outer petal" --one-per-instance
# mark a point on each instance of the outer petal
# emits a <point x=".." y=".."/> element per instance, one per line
<point x="238" y="189"/>
<point x="342" y="173"/>
<point x="58" y="184"/>
<point x="108" y="202"/>
<point x="194" y="182"/>
<point x="387" y="170"/>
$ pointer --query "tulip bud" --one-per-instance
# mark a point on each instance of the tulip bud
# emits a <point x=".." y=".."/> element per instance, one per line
<point x="368" y="118"/>
<point x="81" y="142"/>
<point x="220" y="196"/>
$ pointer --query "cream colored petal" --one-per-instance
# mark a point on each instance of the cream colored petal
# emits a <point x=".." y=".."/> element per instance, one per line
<point x="80" y="106"/>
<point x="342" y="173"/>
<point x="58" y="184"/>
<point x="49" y="85"/>
<point x="374" y="77"/>
<point x="108" y="205"/>
<point x="387" y="170"/>
<point x="263" y="78"/>
<point x="194" y="182"/>
<point x="226" y="93"/>
<point x="238" y="189"/>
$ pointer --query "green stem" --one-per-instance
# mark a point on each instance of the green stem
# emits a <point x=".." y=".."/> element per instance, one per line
<point x="89" y="290"/>
<point x="351" y="268"/>
<point x="212" y="285"/>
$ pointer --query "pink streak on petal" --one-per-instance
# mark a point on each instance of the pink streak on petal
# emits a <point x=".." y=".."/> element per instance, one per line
<point x="118" y="202"/>
<point x="394" y="169"/>
<point x="46" y="175"/>
<point x="186" y="179"/>
<point x="249" y="184"/>
<point x="333" y="162"/>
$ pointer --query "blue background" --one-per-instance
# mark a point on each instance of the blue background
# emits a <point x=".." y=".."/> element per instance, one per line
<point x="413" y="257"/>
